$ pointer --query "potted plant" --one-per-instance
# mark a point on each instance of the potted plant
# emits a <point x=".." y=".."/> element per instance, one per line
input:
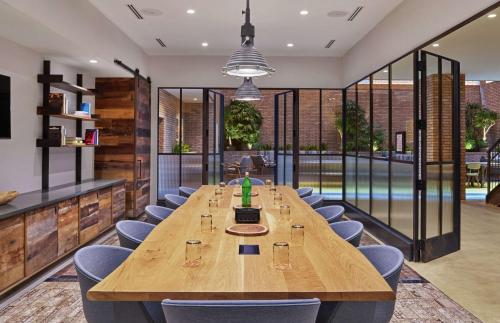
<point x="323" y="147"/>
<point x="312" y="149"/>
<point x="242" y="122"/>
<point x="181" y="148"/>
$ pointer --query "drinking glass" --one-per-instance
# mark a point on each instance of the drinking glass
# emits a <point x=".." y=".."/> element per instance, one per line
<point x="193" y="253"/>
<point x="272" y="189"/>
<point x="213" y="206"/>
<point x="297" y="235"/>
<point x="206" y="223"/>
<point x="268" y="183"/>
<point x="222" y="185"/>
<point x="218" y="194"/>
<point x="285" y="210"/>
<point x="281" y="259"/>
<point x="278" y="200"/>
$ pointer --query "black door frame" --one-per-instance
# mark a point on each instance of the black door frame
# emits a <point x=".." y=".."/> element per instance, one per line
<point x="295" y="135"/>
<point x="443" y="244"/>
<point x="217" y="104"/>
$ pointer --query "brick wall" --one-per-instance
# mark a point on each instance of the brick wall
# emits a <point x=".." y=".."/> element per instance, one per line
<point x="192" y="124"/>
<point x="168" y="124"/>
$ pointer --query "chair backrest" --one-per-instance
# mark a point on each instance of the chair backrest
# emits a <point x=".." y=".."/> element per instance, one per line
<point x="331" y="213"/>
<point x="315" y="201"/>
<point x="246" y="163"/>
<point x="156" y="213"/>
<point x="132" y="233"/>
<point x="474" y="166"/>
<point x="173" y="201"/>
<point x="239" y="181"/>
<point x="186" y="191"/>
<point x="388" y="261"/>
<point x="304" y="191"/>
<point x="258" y="161"/>
<point x="262" y="311"/>
<point x="350" y="231"/>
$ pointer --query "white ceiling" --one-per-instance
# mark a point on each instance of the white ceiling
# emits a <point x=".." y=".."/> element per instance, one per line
<point x="218" y="22"/>
<point x="476" y="46"/>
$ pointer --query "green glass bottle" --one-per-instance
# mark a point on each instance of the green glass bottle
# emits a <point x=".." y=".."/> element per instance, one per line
<point x="246" y="190"/>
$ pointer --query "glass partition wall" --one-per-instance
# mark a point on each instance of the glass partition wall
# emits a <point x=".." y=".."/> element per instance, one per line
<point x="379" y="166"/>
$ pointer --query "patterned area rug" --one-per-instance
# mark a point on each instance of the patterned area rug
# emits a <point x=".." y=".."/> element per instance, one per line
<point x="58" y="299"/>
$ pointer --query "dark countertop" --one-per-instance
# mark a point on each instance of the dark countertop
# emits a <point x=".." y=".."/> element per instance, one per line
<point x="33" y="200"/>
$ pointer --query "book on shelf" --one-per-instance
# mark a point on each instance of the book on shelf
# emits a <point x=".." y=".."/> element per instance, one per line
<point x="74" y="141"/>
<point x="57" y="136"/>
<point x="92" y="137"/>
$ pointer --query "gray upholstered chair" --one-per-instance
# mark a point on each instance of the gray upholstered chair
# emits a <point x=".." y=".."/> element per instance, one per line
<point x="156" y="213"/>
<point x="331" y="213"/>
<point x="238" y="181"/>
<point x="388" y="261"/>
<point x="315" y="201"/>
<point x="132" y="233"/>
<point x="93" y="264"/>
<point x="186" y="191"/>
<point x="262" y="311"/>
<point x="304" y="191"/>
<point x="350" y="231"/>
<point x="173" y="201"/>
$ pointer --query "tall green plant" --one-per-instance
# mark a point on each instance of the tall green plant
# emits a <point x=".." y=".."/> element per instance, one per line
<point x="242" y="122"/>
<point x="478" y="122"/>
<point x="357" y="127"/>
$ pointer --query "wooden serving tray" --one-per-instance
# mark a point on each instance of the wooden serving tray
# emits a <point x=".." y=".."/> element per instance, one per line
<point x="240" y="194"/>
<point x="247" y="229"/>
<point x="255" y="206"/>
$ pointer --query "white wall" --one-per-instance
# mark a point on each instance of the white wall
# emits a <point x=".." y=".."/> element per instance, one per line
<point x="205" y="71"/>
<point x="20" y="160"/>
<point x="411" y="24"/>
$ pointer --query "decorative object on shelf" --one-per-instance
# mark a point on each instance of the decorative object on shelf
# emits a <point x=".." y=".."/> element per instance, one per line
<point x="247" y="229"/>
<point x="56" y="136"/>
<point x="5" y="107"/>
<point x="85" y="107"/>
<point x="6" y="197"/>
<point x="92" y="137"/>
<point x="247" y="91"/>
<point x="58" y="104"/>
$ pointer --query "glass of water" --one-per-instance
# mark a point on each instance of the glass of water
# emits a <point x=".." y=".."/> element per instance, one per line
<point x="281" y="255"/>
<point x="297" y="235"/>
<point x="193" y="253"/>
<point x="206" y="223"/>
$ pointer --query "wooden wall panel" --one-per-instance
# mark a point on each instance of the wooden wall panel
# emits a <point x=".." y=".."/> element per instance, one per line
<point x="104" y="209"/>
<point x="118" y="200"/>
<point x="115" y="158"/>
<point x="11" y="250"/>
<point x="89" y="217"/>
<point x="41" y="238"/>
<point x="142" y="144"/>
<point x="67" y="227"/>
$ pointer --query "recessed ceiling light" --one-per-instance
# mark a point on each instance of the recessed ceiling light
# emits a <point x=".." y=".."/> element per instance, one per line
<point x="304" y="12"/>
<point x="492" y="15"/>
<point x="204" y="44"/>
<point x="93" y="61"/>
<point x="195" y="99"/>
<point x="289" y="45"/>
<point x="435" y="45"/>
<point x="190" y="11"/>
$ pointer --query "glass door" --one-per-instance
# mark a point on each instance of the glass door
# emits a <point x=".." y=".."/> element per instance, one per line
<point x="285" y="138"/>
<point x="214" y="137"/>
<point x="439" y="133"/>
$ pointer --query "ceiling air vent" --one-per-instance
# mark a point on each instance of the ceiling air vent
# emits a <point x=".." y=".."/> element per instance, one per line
<point x="330" y="43"/>
<point x="135" y="12"/>
<point x="355" y="13"/>
<point x="162" y="44"/>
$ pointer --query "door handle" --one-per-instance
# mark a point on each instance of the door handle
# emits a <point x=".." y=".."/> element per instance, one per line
<point x="140" y="168"/>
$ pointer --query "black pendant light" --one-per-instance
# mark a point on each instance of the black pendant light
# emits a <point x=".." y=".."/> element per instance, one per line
<point x="247" y="61"/>
<point x="247" y="91"/>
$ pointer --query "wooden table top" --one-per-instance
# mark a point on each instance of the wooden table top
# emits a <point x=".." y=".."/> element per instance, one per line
<point x="326" y="266"/>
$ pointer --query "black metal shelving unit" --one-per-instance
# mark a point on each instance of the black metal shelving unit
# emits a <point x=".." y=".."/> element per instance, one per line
<point x="49" y="80"/>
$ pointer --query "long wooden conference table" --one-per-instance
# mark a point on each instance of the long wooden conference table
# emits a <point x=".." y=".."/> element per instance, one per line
<point x="325" y="267"/>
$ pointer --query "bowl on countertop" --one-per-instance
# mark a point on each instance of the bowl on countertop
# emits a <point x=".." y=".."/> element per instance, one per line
<point x="6" y="197"/>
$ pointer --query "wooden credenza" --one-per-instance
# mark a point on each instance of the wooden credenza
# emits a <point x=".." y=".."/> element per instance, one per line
<point x="39" y="228"/>
<point x="124" y="109"/>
